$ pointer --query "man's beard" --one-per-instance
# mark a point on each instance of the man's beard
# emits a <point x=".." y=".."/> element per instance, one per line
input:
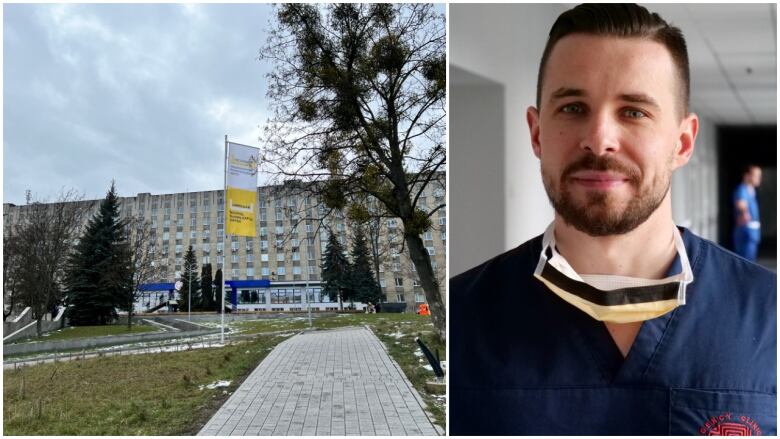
<point x="600" y="214"/>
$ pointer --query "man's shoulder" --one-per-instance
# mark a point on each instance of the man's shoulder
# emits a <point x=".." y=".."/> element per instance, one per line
<point x="514" y="265"/>
<point x="721" y="265"/>
<point x="741" y="191"/>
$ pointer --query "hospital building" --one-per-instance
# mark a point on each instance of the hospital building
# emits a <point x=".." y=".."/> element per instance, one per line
<point x="286" y="253"/>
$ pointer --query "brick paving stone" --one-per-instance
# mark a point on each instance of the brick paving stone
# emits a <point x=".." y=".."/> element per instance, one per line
<point x="333" y="383"/>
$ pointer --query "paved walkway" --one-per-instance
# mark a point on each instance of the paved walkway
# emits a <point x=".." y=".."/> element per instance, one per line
<point x="332" y="383"/>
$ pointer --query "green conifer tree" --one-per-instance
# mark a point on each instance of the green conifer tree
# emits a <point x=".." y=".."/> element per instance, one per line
<point x="218" y="290"/>
<point x="189" y="294"/>
<point x="99" y="275"/>
<point x="363" y="283"/>
<point x="207" y="301"/>
<point x="336" y="272"/>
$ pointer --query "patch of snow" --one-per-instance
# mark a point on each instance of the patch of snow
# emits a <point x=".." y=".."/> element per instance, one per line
<point x="418" y="353"/>
<point x="214" y="385"/>
<point x="397" y="335"/>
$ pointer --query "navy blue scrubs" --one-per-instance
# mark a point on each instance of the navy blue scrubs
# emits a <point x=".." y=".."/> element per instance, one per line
<point x="524" y="362"/>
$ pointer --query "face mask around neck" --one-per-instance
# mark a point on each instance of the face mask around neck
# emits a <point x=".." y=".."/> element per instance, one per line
<point x="615" y="299"/>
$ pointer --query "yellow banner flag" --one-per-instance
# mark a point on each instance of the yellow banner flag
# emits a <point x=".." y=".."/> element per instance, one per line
<point x="241" y="190"/>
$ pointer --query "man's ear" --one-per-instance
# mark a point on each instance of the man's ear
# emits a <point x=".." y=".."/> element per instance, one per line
<point x="532" y="116"/>
<point x="689" y="127"/>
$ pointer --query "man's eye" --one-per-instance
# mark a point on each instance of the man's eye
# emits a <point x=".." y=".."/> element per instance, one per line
<point x="571" y="108"/>
<point x="634" y="114"/>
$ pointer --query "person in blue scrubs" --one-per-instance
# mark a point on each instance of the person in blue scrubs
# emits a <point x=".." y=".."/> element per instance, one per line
<point x="614" y="321"/>
<point x="747" y="230"/>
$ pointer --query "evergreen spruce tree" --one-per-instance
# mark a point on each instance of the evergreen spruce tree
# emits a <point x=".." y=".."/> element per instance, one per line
<point x="336" y="272"/>
<point x="362" y="280"/>
<point x="189" y="295"/>
<point x="207" y="301"/>
<point x="99" y="272"/>
<point x="218" y="290"/>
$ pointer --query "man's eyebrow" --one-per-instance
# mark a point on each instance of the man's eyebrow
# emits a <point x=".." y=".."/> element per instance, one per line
<point x="565" y="92"/>
<point x="639" y="98"/>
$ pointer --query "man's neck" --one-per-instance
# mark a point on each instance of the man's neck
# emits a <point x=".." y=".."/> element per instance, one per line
<point x="645" y="252"/>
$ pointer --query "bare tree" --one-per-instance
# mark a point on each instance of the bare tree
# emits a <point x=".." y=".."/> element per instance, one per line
<point x="41" y="242"/>
<point x="144" y="266"/>
<point x="10" y="269"/>
<point x="359" y="93"/>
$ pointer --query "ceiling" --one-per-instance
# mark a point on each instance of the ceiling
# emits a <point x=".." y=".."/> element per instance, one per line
<point x="733" y="56"/>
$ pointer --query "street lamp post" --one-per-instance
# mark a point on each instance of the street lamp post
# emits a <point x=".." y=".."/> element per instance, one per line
<point x="308" y="304"/>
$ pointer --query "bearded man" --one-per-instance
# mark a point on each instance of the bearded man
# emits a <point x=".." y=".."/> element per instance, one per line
<point x="614" y="321"/>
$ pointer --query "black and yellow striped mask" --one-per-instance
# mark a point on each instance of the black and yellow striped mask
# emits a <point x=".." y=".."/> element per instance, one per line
<point x="616" y="299"/>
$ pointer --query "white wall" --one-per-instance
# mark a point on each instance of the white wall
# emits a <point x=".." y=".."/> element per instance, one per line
<point x="476" y="156"/>
<point x="695" y="186"/>
<point x="504" y="43"/>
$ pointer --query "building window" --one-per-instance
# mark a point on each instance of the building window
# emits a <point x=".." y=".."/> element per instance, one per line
<point x="234" y="273"/>
<point x="297" y="270"/>
<point x="234" y="258"/>
<point x="399" y="282"/>
<point x="264" y="257"/>
<point x="431" y="250"/>
<point x="207" y="259"/>
<point x="265" y="271"/>
<point x="179" y="235"/>
<point x="296" y="256"/>
<point x="281" y="271"/>
<point x="206" y="248"/>
<point x="166" y="236"/>
<point x="220" y="247"/>
<point x="234" y="246"/>
<point x="382" y="283"/>
<point x="193" y="234"/>
<point x="250" y="272"/>
<point x="400" y="298"/>
<point x="443" y="236"/>
<point x="178" y="249"/>
<point x="428" y="236"/>
<point x="250" y="257"/>
<point x="419" y="298"/>
<point x="280" y="257"/>
<point x="312" y="270"/>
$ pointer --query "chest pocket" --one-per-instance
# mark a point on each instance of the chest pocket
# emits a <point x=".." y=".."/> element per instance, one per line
<point x="706" y="413"/>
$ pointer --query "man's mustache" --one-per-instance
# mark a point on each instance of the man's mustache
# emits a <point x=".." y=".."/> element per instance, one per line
<point x="591" y="162"/>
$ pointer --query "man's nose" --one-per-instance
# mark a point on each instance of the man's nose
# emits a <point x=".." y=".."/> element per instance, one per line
<point x="601" y="135"/>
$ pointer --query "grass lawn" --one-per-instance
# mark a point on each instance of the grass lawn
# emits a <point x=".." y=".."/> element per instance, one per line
<point x="160" y="394"/>
<point x="154" y="394"/>
<point x="72" y="332"/>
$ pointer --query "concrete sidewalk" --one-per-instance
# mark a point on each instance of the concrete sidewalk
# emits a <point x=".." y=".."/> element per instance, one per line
<point x="332" y="383"/>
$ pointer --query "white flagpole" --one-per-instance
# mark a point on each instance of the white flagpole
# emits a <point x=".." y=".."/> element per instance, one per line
<point x="224" y="240"/>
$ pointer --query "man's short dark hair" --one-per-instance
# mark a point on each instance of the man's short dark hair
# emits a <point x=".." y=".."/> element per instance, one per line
<point x="624" y="21"/>
<point x="747" y="169"/>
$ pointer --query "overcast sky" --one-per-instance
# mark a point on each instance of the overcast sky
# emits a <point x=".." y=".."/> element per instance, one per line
<point x="143" y="94"/>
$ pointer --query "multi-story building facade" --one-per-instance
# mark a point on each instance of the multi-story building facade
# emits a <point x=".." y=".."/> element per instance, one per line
<point x="292" y="233"/>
